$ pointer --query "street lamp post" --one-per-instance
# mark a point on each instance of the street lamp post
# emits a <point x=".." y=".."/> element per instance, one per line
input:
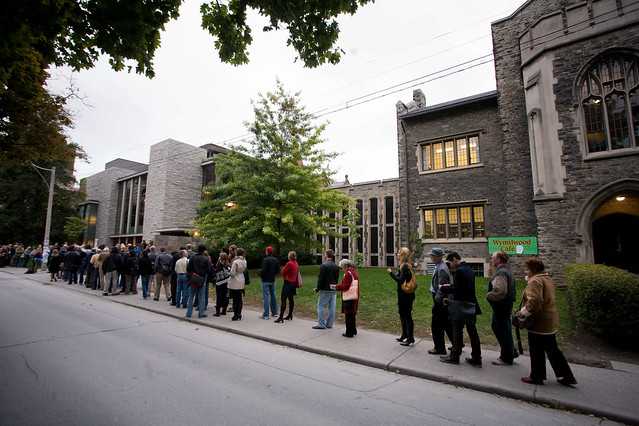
<point x="51" y="186"/>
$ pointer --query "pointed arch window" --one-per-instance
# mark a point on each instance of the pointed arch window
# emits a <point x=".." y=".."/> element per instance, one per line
<point x="609" y="99"/>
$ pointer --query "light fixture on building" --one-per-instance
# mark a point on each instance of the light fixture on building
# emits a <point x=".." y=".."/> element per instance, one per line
<point x="230" y="204"/>
<point x="196" y="234"/>
<point x="620" y="198"/>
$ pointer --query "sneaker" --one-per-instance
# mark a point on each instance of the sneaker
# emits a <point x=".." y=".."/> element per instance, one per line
<point x="501" y="363"/>
<point x="567" y="381"/>
<point x="318" y="327"/>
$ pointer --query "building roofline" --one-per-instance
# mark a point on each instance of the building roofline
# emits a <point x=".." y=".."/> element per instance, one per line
<point x="370" y="182"/>
<point x="214" y="147"/>
<point x="480" y="97"/>
<point x="132" y="175"/>
<point x="512" y="15"/>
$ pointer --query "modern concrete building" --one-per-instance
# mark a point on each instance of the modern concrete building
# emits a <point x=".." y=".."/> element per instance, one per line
<point x="131" y="202"/>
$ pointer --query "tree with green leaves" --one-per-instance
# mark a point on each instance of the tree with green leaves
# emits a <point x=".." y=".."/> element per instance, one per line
<point x="275" y="191"/>
<point x="36" y="34"/>
<point x="74" y="228"/>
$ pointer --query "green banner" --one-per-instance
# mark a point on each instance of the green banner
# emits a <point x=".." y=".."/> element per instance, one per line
<point x="513" y="245"/>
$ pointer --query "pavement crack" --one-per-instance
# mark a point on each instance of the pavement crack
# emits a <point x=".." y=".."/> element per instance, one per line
<point x="71" y="336"/>
<point x="31" y="369"/>
<point x="283" y="370"/>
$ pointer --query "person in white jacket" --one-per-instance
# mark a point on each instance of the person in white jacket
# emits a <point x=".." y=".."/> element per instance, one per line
<point x="236" y="283"/>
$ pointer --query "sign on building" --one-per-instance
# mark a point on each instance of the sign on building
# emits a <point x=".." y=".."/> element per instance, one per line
<point x="513" y="245"/>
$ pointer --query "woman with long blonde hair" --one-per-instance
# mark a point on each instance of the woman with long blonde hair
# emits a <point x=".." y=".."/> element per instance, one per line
<point x="404" y="300"/>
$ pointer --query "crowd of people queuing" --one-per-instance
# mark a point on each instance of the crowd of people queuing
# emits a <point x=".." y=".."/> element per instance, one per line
<point x="186" y="276"/>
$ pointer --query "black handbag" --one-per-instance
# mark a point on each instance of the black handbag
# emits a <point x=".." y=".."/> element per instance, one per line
<point x="459" y="310"/>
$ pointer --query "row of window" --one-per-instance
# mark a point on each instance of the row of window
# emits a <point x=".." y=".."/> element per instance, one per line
<point x="389" y="211"/>
<point x="454" y="222"/>
<point x="129" y="217"/>
<point x="457" y="152"/>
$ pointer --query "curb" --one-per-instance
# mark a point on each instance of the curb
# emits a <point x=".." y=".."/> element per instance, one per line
<point x="450" y="380"/>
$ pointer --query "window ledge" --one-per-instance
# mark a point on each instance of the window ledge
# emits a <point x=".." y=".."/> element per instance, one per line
<point x="454" y="240"/>
<point x="450" y="169"/>
<point x="611" y="154"/>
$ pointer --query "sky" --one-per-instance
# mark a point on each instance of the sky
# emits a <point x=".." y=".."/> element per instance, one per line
<point x="196" y="99"/>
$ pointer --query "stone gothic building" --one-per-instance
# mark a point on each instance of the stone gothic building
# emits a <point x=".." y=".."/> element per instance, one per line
<point x="552" y="153"/>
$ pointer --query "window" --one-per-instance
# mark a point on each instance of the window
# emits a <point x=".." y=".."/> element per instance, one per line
<point x="459" y="152"/>
<point x="389" y="210"/>
<point x="208" y="174"/>
<point x="390" y="239"/>
<point x="608" y="99"/>
<point x="374" y="240"/>
<point x="345" y="242"/>
<point x="359" y="205"/>
<point x="454" y="222"/>
<point x="360" y="241"/>
<point x="373" y="212"/>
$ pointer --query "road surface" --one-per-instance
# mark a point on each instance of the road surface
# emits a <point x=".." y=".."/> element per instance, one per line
<point x="68" y="358"/>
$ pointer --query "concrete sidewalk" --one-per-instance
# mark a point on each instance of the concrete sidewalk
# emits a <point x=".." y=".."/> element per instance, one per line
<point x="608" y="393"/>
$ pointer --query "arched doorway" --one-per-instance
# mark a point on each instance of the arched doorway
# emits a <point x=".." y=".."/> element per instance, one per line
<point x="615" y="231"/>
<point x="607" y="229"/>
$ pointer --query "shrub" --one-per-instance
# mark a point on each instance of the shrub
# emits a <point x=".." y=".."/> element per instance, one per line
<point x="605" y="300"/>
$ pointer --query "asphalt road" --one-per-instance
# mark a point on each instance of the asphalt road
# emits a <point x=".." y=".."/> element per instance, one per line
<point x="68" y="358"/>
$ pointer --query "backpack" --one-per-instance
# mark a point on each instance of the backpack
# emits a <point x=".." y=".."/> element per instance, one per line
<point x="164" y="268"/>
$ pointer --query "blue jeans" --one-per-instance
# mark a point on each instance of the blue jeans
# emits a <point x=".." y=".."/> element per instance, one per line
<point x="268" y="296"/>
<point x="200" y="299"/>
<point x="181" y="292"/>
<point x="145" y="286"/>
<point x="326" y="301"/>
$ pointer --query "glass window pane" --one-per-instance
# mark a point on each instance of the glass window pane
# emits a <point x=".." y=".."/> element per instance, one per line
<point x="595" y="131"/>
<point x="618" y="121"/>
<point x="142" y="202"/>
<point x="118" y="209"/>
<point x="426" y="157"/>
<point x="438" y="156"/>
<point x="465" y="219"/>
<point x="428" y="224"/>
<point x="360" y="241"/>
<point x="473" y="147"/>
<point x="462" y="152"/>
<point x="359" y="205"/>
<point x="389" y="210"/>
<point x="390" y="239"/>
<point x="440" y="223"/>
<point x="373" y="211"/>
<point x="634" y="110"/>
<point x="374" y="239"/>
<point x="134" y="202"/>
<point x="478" y="221"/>
<point x="345" y="242"/>
<point x="453" y="226"/>
<point x="125" y="206"/>
<point x="450" y="153"/>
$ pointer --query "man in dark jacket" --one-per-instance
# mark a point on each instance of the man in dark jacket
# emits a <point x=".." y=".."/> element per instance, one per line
<point x="72" y="263"/>
<point x="199" y="268"/>
<point x="501" y="296"/>
<point x="326" y="281"/>
<point x="463" y="309"/>
<point x="131" y="272"/>
<point x="163" y="274"/>
<point x="270" y="268"/>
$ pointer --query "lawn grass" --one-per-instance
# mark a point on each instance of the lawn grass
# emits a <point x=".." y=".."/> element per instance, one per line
<point x="378" y="304"/>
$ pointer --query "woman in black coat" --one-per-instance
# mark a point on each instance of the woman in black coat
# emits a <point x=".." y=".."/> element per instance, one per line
<point x="404" y="300"/>
<point x="54" y="264"/>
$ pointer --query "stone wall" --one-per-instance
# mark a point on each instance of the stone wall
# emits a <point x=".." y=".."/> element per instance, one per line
<point x="174" y="187"/>
<point x="559" y="235"/>
<point x="483" y="182"/>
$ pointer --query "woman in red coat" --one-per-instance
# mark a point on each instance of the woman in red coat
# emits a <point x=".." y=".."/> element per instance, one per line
<point x="290" y="273"/>
<point x="350" y="296"/>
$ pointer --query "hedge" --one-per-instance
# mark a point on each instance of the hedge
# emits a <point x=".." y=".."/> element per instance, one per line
<point x="605" y="301"/>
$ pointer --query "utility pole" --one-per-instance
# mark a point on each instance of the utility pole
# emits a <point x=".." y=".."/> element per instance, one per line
<point x="51" y="186"/>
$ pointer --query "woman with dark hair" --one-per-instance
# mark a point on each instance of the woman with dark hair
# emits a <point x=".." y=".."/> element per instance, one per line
<point x="540" y="311"/>
<point x="222" y="274"/>
<point x="54" y="264"/>
<point x="350" y="296"/>
<point x="290" y="274"/>
<point x="404" y="300"/>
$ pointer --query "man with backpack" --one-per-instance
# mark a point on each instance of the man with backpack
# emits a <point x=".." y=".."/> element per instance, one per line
<point x="163" y="274"/>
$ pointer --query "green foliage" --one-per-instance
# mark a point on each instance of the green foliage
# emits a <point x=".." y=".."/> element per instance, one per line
<point x="270" y="193"/>
<point x="74" y="227"/>
<point x="605" y="300"/>
<point x="312" y="28"/>
<point x="23" y="202"/>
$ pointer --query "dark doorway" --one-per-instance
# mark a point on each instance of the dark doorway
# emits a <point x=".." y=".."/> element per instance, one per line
<point x="616" y="241"/>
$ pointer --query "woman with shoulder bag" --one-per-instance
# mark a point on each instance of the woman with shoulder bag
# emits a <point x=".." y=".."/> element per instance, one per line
<point x="405" y="280"/>
<point x="222" y="275"/>
<point x="290" y="274"/>
<point x="540" y="313"/>
<point x="350" y="296"/>
<point x="237" y="283"/>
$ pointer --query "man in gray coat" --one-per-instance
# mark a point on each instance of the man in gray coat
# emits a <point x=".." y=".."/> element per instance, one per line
<point x="440" y="323"/>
